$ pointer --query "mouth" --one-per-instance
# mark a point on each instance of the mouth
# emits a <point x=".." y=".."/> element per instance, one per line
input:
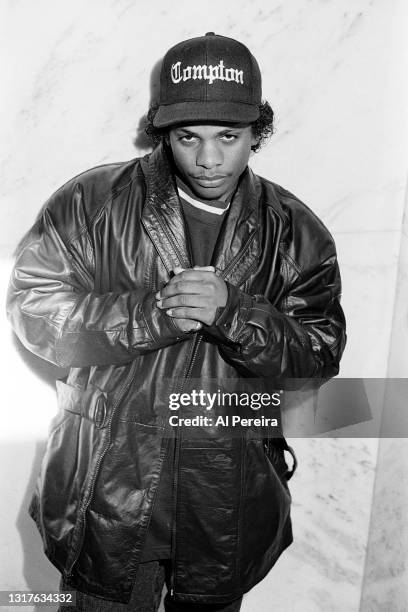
<point x="210" y="181"/>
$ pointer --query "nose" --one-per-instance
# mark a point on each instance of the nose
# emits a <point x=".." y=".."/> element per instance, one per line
<point x="209" y="155"/>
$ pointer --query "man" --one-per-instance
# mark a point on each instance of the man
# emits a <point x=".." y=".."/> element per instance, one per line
<point x="141" y="277"/>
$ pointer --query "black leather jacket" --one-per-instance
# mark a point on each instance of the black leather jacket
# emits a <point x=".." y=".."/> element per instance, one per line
<point x="82" y="296"/>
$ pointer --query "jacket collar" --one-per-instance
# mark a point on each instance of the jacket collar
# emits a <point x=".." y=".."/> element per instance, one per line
<point x="238" y="243"/>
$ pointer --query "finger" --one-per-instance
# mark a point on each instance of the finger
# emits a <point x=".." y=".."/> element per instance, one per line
<point x="188" y="325"/>
<point x="192" y="274"/>
<point x="183" y="287"/>
<point x="197" y="314"/>
<point x="192" y="301"/>
<point x="200" y="276"/>
<point x="178" y="269"/>
<point x="205" y="268"/>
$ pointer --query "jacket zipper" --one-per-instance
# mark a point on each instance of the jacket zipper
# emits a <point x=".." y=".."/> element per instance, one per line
<point x="198" y="341"/>
<point x="87" y="502"/>
<point x="188" y="373"/>
<point x="170" y="238"/>
<point x="238" y="256"/>
<point x="176" y="441"/>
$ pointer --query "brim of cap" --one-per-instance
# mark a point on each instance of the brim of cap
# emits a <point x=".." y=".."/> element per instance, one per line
<point x="186" y="112"/>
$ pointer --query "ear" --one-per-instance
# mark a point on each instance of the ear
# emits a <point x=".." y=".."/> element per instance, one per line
<point x="254" y="144"/>
<point x="254" y="141"/>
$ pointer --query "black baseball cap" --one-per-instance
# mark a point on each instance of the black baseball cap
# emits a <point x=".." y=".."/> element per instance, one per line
<point x="208" y="78"/>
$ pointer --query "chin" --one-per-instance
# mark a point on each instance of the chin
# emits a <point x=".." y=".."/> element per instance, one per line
<point x="206" y="193"/>
<point x="210" y="196"/>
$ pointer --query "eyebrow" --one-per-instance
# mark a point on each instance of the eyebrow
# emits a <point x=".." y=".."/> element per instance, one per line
<point x="223" y="131"/>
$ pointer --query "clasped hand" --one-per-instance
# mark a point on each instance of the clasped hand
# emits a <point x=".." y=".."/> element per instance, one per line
<point x="192" y="297"/>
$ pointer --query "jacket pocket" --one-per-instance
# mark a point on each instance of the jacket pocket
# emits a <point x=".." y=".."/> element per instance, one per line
<point x="266" y="507"/>
<point x="275" y="451"/>
<point x="90" y="403"/>
<point x="68" y="466"/>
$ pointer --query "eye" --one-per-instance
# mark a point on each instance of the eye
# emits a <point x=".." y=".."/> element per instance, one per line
<point x="229" y="137"/>
<point x="187" y="138"/>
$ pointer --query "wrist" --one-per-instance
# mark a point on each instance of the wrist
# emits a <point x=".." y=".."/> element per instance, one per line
<point x="227" y="317"/>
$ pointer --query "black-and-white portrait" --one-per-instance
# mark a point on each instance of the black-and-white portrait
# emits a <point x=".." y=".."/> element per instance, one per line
<point x="199" y="203"/>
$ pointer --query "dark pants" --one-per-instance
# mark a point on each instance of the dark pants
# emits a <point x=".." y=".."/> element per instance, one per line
<point x="146" y="596"/>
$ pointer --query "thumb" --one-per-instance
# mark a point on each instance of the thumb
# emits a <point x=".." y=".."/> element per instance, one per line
<point x="205" y="268"/>
<point x="178" y="269"/>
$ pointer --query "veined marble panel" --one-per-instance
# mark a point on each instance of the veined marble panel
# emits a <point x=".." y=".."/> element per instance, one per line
<point x="368" y="264"/>
<point x="405" y="217"/>
<point x="398" y="358"/>
<point x="80" y="80"/>
<point x="22" y="561"/>
<point x="323" y="569"/>
<point x="386" y="576"/>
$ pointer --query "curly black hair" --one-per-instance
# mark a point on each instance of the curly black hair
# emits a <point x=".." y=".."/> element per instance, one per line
<point x="262" y="128"/>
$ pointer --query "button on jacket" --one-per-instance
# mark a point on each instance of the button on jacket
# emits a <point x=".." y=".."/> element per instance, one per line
<point x="82" y="296"/>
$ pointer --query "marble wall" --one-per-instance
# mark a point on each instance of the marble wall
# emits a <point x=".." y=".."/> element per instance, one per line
<point x="79" y="81"/>
<point x="385" y="581"/>
<point x="398" y="358"/>
<point x="385" y="584"/>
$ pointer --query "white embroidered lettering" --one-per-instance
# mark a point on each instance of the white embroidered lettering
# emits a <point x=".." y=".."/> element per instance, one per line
<point x="213" y="74"/>
<point x="222" y="77"/>
<point x="200" y="72"/>
<point x="187" y="73"/>
<point x="176" y="72"/>
<point x="208" y="73"/>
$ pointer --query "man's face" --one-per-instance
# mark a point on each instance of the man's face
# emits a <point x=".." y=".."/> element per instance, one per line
<point x="211" y="158"/>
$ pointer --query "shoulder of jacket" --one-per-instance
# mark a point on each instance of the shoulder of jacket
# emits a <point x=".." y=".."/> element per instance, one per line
<point x="100" y="182"/>
<point x="79" y="200"/>
<point x="305" y="237"/>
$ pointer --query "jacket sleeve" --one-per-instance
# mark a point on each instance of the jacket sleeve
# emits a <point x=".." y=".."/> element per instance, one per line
<point x="300" y="336"/>
<point x="57" y="315"/>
